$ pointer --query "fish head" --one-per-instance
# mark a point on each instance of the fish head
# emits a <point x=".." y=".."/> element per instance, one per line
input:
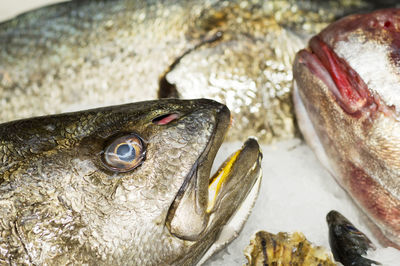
<point x="348" y="244"/>
<point x="346" y="86"/>
<point x="127" y="183"/>
<point x="343" y="234"/>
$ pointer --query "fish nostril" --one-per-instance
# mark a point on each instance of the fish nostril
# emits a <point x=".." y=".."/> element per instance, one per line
<point x="387" y="24"/>
<point x="165" y="119"/>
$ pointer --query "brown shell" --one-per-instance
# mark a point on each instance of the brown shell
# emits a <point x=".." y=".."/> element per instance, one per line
<point x="285" y="249"/>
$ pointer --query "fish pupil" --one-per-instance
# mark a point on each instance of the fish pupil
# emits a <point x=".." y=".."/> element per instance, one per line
<point x="126" y="152"/>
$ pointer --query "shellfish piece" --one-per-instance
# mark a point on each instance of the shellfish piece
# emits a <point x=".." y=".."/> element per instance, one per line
<point x="285" y="249"/>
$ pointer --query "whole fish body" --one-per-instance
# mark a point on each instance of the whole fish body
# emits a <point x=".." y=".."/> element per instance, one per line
<point x="86" y="54"/>
<point x="122" y="185"/>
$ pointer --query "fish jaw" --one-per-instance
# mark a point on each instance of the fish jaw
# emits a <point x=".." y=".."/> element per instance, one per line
<point x="54" y="167"/>
<point x="228" y="207"/>
<point x="230" y="184"/>
<point x="348" y="121"/>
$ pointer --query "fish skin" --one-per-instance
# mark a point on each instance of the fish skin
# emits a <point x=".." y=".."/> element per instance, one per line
<point x="86" y="54"/>
<point x="348" y="244"/>
<point x="355" y="136"/>
<point x="60" y="205"/>
<point x="59" y="74"/>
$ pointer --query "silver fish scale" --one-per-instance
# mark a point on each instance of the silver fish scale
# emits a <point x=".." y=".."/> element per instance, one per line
<point x="68" y="60"/>
<point x="85" y="54"/>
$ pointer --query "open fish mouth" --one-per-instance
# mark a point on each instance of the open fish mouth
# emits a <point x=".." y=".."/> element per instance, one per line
<point x="343" y="57"/>
<point x="206" y="202"/>
<point x="345" y="84"/>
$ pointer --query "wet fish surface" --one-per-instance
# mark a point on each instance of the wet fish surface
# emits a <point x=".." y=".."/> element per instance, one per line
<point x="348" y="244"/>
<point x="347" y="103"/>
<point x="86" y="54"/>
<point x="127" y="184"/>
<point x="92" y="53"/>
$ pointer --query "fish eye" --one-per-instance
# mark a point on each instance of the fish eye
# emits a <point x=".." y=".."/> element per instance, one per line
<point x="124" y="154"/>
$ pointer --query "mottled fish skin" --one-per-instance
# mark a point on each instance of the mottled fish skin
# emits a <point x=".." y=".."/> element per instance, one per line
<point x="61" y="204"/>
<point x="348" y="244"/>
<point x="346" y="95"/>
<point x="285" y="249"/>
<point x="86" y="54"/>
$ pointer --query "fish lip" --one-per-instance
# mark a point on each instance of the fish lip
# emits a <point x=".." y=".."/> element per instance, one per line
<point x="198" y="180"/>
<point x="242" y="177"/>
<point x="332" y="64"/>
<point x="199" y="170"/>
<point x="336" y="219"/>
<point x="249" y="148"/>
<point x="333" y="217"/>
<point x="333" y="71"/>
